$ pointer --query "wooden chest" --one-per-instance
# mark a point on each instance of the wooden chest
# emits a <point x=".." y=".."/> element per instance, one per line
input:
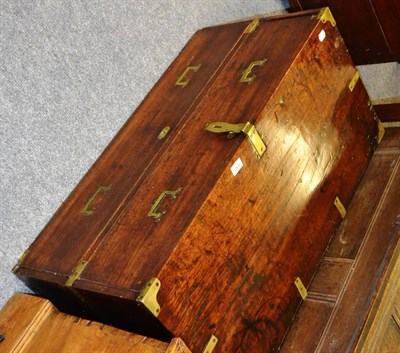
<point x="219" y="193"/>
<point x="354" y="301"/>
<point x="370" y="28"/>
<point x="31" y="324"/>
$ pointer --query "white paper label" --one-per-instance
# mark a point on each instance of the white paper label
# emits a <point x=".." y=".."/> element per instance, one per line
<point x="236" y="166"/>
<point x="321" y="36"/>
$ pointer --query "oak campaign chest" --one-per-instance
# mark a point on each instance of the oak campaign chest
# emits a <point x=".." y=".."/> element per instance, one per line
<point x="31" y="324"/>
<point x="208" y="213"/>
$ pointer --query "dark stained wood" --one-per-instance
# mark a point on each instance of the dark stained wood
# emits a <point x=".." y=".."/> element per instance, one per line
<point x="130" y="155"/>
<point x="391" y="140"/>
<point x="347" y="241"/>
<point x="388" y="12"/>
<point x="388" y="112"/>
<point x="344" y="328"/>
<point x="329" y="279"/>
<point x="366" y="240"/>
<point x="307" y="329"/>
<point x="32" y="325"/>
<point x="229" y="247"/>
<point x="370" y="28"/>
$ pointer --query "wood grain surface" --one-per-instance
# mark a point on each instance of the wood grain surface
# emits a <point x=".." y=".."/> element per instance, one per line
<point x="229" y="247"/>
<point x="350" y="301"/>
<point x="125" y="162"/>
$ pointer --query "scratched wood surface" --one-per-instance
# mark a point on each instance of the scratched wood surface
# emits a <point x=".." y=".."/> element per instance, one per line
<point x="31" y="324"/>
<point x="353" y="301"/>
<point x="370" y="28"/>
<point x="230" y="246"/>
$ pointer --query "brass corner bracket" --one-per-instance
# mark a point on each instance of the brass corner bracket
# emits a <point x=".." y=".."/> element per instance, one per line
<point x="148" y="296"/>
<point x="326" y="15"/>
<point x="252" y="26"/>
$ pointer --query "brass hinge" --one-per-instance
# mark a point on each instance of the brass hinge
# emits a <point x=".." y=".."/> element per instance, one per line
<point x="340" y="207"/>
<point x="212" y="342"/>
<point x="251" y="27"/>
<point x="381" y="131"/>
<point x="232" y="129"/>
<point x="148" y="296"/>
<point x="354" y="80"/>
<point x="77" y="272"/>
<point x="22" y="257"/>
<point x="301" y="288"/>
<point x="326" y="15"/>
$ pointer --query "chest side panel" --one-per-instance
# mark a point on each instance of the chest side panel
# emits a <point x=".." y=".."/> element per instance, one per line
<point x="259" y="230"/>
<point x="108" y="185"/>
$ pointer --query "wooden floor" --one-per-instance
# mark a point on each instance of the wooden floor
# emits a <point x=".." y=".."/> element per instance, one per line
<point x="346" y="287"/>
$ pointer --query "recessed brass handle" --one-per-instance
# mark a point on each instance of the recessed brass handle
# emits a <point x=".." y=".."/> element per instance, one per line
<point x="86" y="211"/>
<point x="181" y="79"/>
<point x="233" y="129"/>
<point x="154" y="213"/>
<point x="246" y="78"/>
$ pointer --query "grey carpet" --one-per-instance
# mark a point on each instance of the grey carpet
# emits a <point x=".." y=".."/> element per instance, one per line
<point x="382" y="82"/>
<point x="71" y="72"/>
